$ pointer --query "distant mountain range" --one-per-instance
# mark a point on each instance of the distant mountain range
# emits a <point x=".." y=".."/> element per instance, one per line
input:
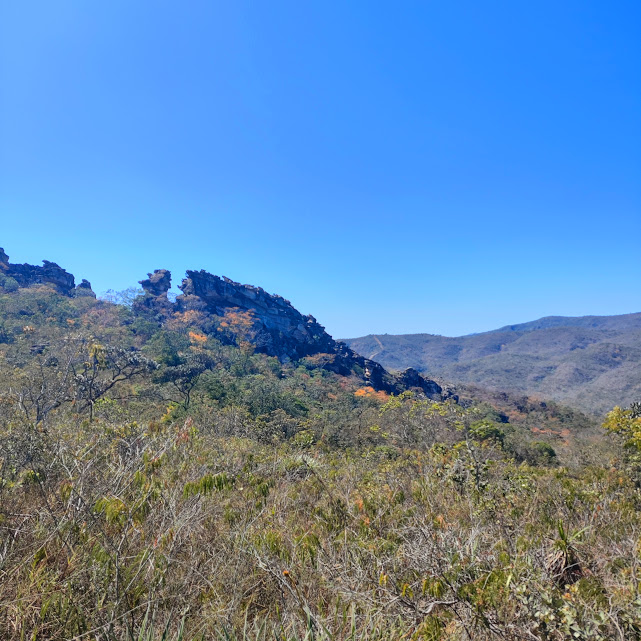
<point x="589" y="362"/>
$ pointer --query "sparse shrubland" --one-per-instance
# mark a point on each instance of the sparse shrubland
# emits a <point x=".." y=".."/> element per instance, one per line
<point x="160" y="480"/>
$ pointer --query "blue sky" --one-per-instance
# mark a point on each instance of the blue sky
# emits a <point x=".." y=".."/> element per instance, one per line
<point x="387" y="166"/>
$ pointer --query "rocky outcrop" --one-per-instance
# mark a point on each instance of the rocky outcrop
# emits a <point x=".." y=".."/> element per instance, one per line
<point x="84" y="289"/>
<point x="155" y="299"/>
<point x="277" y="328"/>
<point x="158" y="283"/>
<point x="410" y="378"/>
<point x="48" y="274"/>
<point x="280" y="330"/>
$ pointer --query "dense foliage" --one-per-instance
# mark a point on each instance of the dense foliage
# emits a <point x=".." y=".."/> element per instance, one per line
<point x="158" y="479"/>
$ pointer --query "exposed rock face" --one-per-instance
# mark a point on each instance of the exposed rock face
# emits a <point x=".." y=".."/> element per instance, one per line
<point x="281" y="330"/>
<point x="84" y="289"/>
<point x="277" y="327"/>
<point x="155" y="298"/>
<point x="47" y="274"/>
<point x="411" y="378"/>
<point x="158" y="283"/>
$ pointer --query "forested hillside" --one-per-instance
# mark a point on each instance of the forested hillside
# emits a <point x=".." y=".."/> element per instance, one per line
<point x="591" y="363"/>
<point x="176" y="470"/>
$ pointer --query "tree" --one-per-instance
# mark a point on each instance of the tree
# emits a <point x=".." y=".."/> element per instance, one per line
<point x="626" y="423"/>
<point x="104" y="368"/>
<point x="124" y="297"/>
<point x="184" y="375"/>
<point x="74" y="369"/>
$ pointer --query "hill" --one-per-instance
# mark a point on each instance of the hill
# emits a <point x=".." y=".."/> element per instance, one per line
<point x="591" y="363"/>
<point x="187" y="351"/>
<point x="218" y="467"/>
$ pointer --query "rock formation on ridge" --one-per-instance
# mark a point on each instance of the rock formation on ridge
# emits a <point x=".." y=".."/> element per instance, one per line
<point x="48" y="273"/>
<point x="277" y="327"/>
<point x="281" y="330"/>
<point x="155" y="288"/>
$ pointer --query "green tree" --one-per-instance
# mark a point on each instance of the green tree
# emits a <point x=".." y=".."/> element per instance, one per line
<point x="627" y="424"/>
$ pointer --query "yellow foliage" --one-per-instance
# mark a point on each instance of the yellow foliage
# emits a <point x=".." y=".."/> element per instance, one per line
<point x="238" y="322"/>
<point x="198" y="339"/>
<point x="181" y="320"/>
<point x="370" y="392"/>
<point x="624" y="422"/>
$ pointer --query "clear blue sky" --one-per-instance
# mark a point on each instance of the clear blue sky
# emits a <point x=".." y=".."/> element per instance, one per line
<point x="442" y="167"/>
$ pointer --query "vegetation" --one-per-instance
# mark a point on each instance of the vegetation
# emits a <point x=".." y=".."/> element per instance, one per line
<point x="160" y="480"/>
<point x="590" y="363"/>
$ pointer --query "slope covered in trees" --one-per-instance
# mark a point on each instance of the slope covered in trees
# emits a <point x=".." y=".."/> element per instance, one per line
<point x="164" y="474"/>
<point x="591" y="363"/>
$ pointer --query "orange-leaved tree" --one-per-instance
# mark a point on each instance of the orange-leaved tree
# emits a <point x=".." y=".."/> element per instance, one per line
<point x="240" y="326"/>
